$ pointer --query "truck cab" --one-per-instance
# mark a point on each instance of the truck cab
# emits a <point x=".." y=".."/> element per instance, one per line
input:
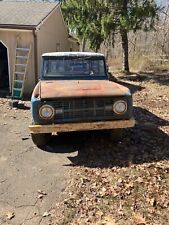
<point x="75" y="94"/>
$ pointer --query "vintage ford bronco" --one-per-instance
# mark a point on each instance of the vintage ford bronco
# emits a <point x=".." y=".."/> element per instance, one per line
<point x="75" y="94"/>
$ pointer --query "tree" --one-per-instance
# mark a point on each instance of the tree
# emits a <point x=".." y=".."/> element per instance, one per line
<point x="98" y="21"/>
<point x="84" y="18"/>
<point x="133" y="15"/>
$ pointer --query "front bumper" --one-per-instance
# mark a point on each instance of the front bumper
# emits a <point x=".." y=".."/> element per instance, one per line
<point x="68" y="127"/>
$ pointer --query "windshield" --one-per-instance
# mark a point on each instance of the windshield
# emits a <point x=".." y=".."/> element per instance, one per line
<point x="77" y="67"/>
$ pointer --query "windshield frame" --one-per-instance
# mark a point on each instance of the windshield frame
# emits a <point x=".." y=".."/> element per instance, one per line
<point x="43" y="77"/>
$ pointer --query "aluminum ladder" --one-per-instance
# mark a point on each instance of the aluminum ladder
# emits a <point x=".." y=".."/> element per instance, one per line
<point x="22" y="56"/>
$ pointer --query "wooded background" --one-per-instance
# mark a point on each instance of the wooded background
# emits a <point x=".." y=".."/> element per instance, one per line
<point x="131" y="33"/>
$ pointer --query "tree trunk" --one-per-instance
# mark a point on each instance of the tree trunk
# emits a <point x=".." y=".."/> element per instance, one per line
<point x="83" y="46"/>
<point x="125" y="59"/>
<point x="124" y="38"/>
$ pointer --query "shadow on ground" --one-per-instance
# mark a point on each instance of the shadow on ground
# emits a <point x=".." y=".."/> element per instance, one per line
<point x="161" y="78"/>
<point x="133" y="87"/>
<point x="63" y="143"/>
<point x="144" y="143"/>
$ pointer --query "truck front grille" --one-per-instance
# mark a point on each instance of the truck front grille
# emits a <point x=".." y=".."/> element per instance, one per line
<point x="78" y="110"/>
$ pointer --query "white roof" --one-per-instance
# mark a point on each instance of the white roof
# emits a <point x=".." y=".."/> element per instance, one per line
<point x="83" y="54"/>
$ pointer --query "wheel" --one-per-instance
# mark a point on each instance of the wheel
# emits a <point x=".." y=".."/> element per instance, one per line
<point x="116" y="134"/>
<point x="40" y="139"/>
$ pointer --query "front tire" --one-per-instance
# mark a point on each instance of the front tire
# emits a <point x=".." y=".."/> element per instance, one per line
<point x="40" y="139"/>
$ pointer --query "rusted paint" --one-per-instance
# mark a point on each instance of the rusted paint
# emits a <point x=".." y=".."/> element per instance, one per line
<point x="67" y="127"/>
<point x="81" y="88"/>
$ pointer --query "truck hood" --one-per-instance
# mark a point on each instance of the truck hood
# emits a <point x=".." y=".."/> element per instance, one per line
<point x="80" y="88"/>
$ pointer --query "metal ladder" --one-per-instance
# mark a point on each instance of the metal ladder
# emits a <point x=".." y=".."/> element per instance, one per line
<point x="20" y="69"/>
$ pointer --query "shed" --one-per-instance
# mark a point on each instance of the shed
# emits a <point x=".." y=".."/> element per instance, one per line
<point x="27" y="30"/>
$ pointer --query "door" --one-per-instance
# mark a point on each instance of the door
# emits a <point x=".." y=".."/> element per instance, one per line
<point x="4" y="70"/>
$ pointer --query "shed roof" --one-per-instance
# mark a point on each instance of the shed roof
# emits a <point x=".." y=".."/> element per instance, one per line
<point x="24" y="13"/>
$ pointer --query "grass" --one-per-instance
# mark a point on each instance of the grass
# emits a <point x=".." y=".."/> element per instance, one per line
<point x="140" y="63"/>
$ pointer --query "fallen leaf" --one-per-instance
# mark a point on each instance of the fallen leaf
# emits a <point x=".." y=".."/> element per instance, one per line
<point x="10" y="215"/>
<point x="46" y="214"/>
<point x="120" y="180"/>
<point x="42" y="192"/>
<point x="109" y="220"/>
<point x="153" y="202"/>
<point x="140" y="180"/>
<point x="102" y="192"/>
<point x="25" y="138"/>
<point x="138" y="219"/>
<point x="40" y="196"/>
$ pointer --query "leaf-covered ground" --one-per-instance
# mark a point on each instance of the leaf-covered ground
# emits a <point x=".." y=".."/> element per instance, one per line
<point x="124" y="182"/>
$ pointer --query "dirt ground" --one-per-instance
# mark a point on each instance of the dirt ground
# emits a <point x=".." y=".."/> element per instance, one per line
<point x="125" y="182"/>
<point x="107" y="181"/>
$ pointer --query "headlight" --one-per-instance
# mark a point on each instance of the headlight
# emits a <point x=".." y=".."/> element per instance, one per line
<point x="120" y="107"/>
<point x="46" y="112"/>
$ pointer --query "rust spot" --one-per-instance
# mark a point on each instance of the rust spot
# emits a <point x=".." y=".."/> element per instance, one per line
<point x="81" y="88"/>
